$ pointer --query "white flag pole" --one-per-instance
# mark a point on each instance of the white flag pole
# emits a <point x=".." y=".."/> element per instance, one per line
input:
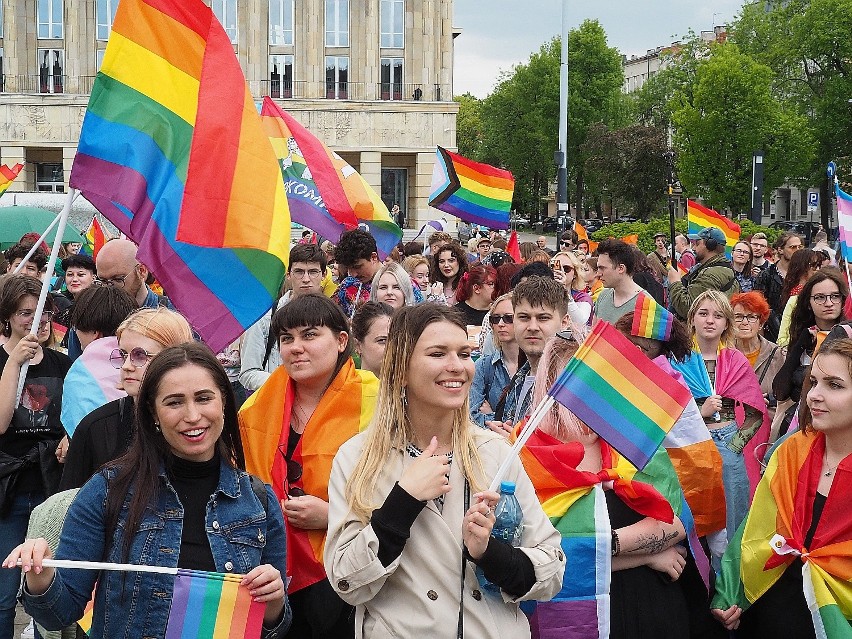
<point x="529" y="428"/>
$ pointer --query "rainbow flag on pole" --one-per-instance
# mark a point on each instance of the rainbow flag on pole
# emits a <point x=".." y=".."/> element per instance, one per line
<point x="629" y="401"/>
<point x="325" y="193"/>
<point x="844" y="222"/>
<point x="173" y="153"/>
<point x="700" y="217"/>
<point x="471" y="191"/>
<point x="212" y="605"/>
<point x="96" y="237"/>
<point x="8" y="175"/>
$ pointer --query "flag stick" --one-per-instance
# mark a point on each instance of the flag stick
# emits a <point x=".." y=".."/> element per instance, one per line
<point x="62" y="220"/>
<point x="35" y="246"/>
<point x="105" y="565"/>
<point x="529" y="428"/>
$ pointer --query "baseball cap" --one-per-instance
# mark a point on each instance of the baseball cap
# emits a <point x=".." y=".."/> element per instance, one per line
<point x="483" y="239"/>
<point x="710" y="233"/>
<point x="663" y="235"/>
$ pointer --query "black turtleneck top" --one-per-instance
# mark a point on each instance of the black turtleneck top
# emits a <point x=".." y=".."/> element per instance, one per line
<point x="195" y="483"/>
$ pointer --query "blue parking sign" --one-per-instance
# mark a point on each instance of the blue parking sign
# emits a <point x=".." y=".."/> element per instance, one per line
<point x="813" y="198"/>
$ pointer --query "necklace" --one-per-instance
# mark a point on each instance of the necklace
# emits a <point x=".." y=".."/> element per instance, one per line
<point x="831" y="469"/>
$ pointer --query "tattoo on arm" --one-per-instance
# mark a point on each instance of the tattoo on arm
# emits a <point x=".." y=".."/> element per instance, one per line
<point x="652" y="544"/>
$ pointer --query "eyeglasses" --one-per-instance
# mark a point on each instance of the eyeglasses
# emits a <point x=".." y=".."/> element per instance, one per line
<point x="819" y="298"/>
<point x="299" y="273"/>
<point x="750" y="318"/>
<point x="139" y="357"/>
<point x="566" y="243"/>
<point x="294" y="474"/>
<point x="741" y="251"/>
<point x="113" y="281"/>
<point x="506" y="318"/>
<point x="28" y="315"/>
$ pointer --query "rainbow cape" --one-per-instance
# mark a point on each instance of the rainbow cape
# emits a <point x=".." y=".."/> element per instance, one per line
<point x="325" y="193"/>
<point x="8" y="175"/>
<point x="773" y="536"/>
<point x="474" y="192"/>
<point x="700" y="217"/>
<point x="173" y="153"/>
<point x="96" y="237"/>
<point x="576" y="505"/>
<point x="213" y="605"/>
<point x="345" y="409"/>
<point x="93" y="382"/>
<point x="620" y="394"/>
<point x="844" y="221"/>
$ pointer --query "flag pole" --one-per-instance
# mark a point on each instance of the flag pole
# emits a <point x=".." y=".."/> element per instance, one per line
<point x="61" y="220"/>
<point x="534" y="420"/>
<point x="35" y="246"/>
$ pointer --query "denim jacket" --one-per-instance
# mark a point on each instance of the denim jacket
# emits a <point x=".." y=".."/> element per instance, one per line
<point x="135" y="605"/>
<point x="517" y="413"/>
<point x="489" y="381"/>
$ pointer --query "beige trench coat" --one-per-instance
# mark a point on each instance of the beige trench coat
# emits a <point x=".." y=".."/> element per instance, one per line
<point x="417" y="596"/>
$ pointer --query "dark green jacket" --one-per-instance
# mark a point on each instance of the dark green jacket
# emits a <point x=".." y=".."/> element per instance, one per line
<point x="716" y="273"/>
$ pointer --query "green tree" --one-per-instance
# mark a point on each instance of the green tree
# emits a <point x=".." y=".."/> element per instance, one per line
<point x="469" y="125"/>
<point x="731" y="114"/>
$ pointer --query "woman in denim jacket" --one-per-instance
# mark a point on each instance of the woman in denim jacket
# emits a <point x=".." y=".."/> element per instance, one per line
<point x="177" y="498"/>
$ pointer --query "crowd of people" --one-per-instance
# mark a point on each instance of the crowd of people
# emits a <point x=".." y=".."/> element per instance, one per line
<point x="339" y="455"/>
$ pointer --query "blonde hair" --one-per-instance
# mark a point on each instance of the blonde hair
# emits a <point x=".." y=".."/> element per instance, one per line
<point x="402" y="278"/>
<point x="503" y="298"/>
<point x="578" y="283"/>
<point x="718" y="298"/>
<point x="160" y="324"/>
<point x="559" y="422"/>
<point x="390" y="429"/>
<point x="413" y="261"/>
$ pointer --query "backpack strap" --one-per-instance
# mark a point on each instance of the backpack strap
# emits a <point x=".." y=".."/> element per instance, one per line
<point x="259" y="489"/>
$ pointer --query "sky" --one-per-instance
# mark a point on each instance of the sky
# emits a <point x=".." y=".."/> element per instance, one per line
<point x="497" y="34"/>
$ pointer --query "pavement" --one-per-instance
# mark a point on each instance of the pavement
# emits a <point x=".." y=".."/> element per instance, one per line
<point x="21" y="621"/>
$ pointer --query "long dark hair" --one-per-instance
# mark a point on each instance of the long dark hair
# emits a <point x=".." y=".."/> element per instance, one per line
<point x="803" y="315"/>
<point x="799" y="265"/>
<point x="461" y="257"/>
<point x="139" y="468"/>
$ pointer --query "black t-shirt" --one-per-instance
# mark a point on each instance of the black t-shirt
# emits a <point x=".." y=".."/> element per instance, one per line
<point x="36" y="418"/>
<point x="472" y="316"/>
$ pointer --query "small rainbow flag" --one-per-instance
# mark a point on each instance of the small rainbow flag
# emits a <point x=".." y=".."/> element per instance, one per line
<point x="212" y="605"/>
<point x="844" y="222"/>
<point x="8" y="175"/>
<point x="325" y="193"/>
<point x="700" y="217"/>
<point x="474" y="192"/>
<point x="620" y="394"/>
<point x="95" y="238"/>
<point x="651" y="320"/>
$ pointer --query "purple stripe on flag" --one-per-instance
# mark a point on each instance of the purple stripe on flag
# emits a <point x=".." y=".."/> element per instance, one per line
<point x="467" y="216"/>
<point x="576" y="619"/>
<point x="310" y="216"/>
<point x="177" y="612"/>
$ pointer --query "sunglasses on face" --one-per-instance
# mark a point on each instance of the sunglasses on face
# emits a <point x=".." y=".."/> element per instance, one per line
<point x="139" y="357"/>
<point x="506" y="318"/>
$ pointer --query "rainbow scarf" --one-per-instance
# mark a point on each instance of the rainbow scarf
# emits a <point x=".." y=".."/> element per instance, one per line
<point x="8" y="175"/>
<point x="773" y="535"/>
<point x="700" y="217"/>
<point x="574" y="501"/>
<point x="325" y="193"/>
<point x="474" y="192"/>
<point x="173" y="153"/>
<point x="345" y="409"/>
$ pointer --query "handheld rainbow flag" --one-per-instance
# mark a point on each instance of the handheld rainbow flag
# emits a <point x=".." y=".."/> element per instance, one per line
<point x="844" y="222"/>
<point x="212" y="605"/>
<point x="96" y="237"/>
<point x="651" y="320"/>
<point x="324" y="192"/>
<point x="700" y="217"/>
<point x="474" y="192"/>
<point x="8" y="175"/>
<point x="620" y="394"/>
<point x="172" y="151"/>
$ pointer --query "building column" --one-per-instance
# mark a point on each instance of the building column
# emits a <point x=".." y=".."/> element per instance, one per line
<point x="68" y="153"/>
<point x="12" y="155"/>
<point x="371" y="169"/>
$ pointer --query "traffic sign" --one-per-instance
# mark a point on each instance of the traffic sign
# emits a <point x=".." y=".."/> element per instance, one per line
<point x="831" y="170"/>
<point x="813" y="198"/>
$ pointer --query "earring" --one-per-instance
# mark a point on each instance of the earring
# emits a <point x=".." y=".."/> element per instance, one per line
<point x="157" y="426"/>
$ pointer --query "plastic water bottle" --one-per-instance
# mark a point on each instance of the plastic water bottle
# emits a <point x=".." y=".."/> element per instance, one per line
<point x="507" y="527"/>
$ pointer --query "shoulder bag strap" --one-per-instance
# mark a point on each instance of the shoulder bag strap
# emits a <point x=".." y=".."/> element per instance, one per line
<point x="460" y="631"/>
<point x="766" y="366"/>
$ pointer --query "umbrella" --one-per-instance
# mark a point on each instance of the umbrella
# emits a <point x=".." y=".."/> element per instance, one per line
<point x="16" y="221"/>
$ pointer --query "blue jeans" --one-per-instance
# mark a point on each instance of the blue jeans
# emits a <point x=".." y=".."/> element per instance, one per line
<point x="13" y="531"/>
<point x="734" y="478"/>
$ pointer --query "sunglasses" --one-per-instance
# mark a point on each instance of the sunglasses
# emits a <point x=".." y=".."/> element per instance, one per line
<point x="294" y="474"/>
<point x="139" y="357"/>
<point x="507" y="318"/>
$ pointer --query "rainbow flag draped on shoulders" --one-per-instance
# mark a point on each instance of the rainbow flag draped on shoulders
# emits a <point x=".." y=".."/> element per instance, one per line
<point x="8" y="175"/>
<point x="700" y="217"/>
<point x="474" y="192"/>
<point x="346" y="408"/>
<point x="575" y="502"/>
<point x="773" y="536"/>
<point x="325" y="193"/>
<point x="173" y="153"/>
<point x="620" y="394"/>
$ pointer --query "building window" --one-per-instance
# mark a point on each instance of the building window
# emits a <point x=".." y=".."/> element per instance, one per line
<point x="337" y="77"/>
<point x="281" y="76"/>
<point x="391" y="78"/>
<point x="393" y="24"/>
<point x="51" y="70"/>
<point x="395" y="191"/>
<point x="50" y="19"/>
<point x="281" y="17"/>
<point x="99" y="59"/>
<point x="337" y="23"/>
<point x="226" y="12"/>
<point x="2" y="74"/>
<point x="50" y="177"/>
<point x="106" y="15"/>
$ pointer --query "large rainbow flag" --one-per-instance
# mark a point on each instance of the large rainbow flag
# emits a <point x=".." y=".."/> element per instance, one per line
<point x="173" y="153"/>
<point x="213" y="605"/>
<point x="620" y="394"/>
<point x="8" y="175"/>
<point x="700" y="217"/>
<point x="844" y="222"/>
<point x="325" y="193"/>
<point x="474" y="192"/>
<point x="96" y="237"/>
<point x="774" y="533"/>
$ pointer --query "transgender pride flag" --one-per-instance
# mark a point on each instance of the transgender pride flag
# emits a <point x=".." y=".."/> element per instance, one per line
<point x="91" y="382"/>
<point x="844" y="221"/>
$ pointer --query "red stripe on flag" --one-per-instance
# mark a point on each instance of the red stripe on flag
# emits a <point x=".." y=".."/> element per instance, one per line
<point x="183" y="12"/>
